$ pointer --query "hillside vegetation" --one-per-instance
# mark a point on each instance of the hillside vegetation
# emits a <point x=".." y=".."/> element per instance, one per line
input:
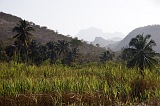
<point x="41" y="34"/>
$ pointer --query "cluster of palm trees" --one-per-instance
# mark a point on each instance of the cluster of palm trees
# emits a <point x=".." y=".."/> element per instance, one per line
<point x="27" y="50"/>
<point x="139" y="54"/>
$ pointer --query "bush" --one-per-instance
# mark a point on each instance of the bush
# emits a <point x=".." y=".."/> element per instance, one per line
<point x="140" y="87"/>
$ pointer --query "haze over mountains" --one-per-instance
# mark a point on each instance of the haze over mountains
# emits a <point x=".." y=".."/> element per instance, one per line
<point x="97" y="36"/>
<point x="94" y="35"/>
<point x="153" y="30"/>
<point x="102" y="42"/>
<point x="91" y="33"/>
<point x="116" y="43"/>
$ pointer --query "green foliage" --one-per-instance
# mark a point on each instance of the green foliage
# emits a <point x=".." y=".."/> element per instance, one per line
<point x="22" y="39"/>
<point x="106" y="56"/>
<point x="3" y="55"/>
<point x="36" y="52"/>
<point x="126" y="54"/>
<point x="71" y="56"/>
<point x="23" y="32"/>
<point x="140" y="53"/>
<point x="24" y="50"/>
<point x="75" y="43"/>
<point x="63" y="47"/>
<point x="11" y="52"/>
<point x="52" y="52"/>
<point x="91" y="83"/>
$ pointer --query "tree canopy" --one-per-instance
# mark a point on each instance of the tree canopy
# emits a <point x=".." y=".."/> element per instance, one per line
<point x="141" y="52"/>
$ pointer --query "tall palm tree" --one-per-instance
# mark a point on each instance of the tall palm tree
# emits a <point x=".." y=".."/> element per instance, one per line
<point x="143" y="55"/>
<point x="22" y="36"/>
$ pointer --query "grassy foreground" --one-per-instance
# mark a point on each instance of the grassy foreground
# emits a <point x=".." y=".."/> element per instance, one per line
<point x="86" y="85"/>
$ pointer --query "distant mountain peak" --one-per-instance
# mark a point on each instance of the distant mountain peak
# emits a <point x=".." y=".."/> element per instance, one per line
<point x="99" y="38"/>
<point x="103" y="42"/>
<point x="90" y="33"/>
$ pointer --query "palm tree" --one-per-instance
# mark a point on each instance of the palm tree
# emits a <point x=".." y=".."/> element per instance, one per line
<point x="22" y="36"/>
<point x="71" y="56"/>
<point x="63" y="47"/>
<point x="105" y="56"/>
<point x="3" y="56"/>
<point x="11" y="52"/>
<point x="142" y="53"/>
<point x="23" y="32"/>
<point x="52" y="50"/>
<point x="37" y="52"/>
<point x="33" y="52"/>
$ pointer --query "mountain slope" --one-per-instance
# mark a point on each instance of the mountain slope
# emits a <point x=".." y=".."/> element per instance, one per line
<point x="41" y="34"/>
<point x="153" y="30"/>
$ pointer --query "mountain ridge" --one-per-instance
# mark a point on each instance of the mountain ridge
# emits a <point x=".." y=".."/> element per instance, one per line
<point x="153" y="30"/>
<point x="89" y="34"/>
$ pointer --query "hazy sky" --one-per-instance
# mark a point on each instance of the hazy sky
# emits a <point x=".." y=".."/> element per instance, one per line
<point x="69" y="16"/>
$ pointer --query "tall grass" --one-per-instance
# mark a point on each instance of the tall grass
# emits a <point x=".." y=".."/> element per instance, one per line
<point x="89" y="84"/>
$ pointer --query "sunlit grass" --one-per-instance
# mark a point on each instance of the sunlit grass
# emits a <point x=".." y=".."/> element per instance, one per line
<point x="94" y="84"/>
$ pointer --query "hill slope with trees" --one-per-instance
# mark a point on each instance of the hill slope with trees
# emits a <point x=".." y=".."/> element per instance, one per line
<point x="42" y="35"/>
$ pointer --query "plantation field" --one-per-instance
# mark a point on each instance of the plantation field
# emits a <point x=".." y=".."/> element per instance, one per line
<point x="90" y="84"/>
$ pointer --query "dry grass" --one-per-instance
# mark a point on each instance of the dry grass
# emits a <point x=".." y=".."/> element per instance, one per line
<point x="69" y="99"/>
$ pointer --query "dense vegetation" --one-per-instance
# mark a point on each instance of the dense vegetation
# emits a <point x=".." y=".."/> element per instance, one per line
<point x="90" y="84"/>
<point x="26" y="50"/>
<point x="53" y="74"/>
<point x="43" y="35"/>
